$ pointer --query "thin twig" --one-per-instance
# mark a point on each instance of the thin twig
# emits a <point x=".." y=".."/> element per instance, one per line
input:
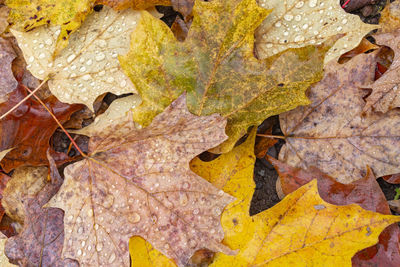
<point x="23" y="100"/>
<point x="58" y="122"/>
<point x="346" y="3"/>
<point x="272" y="136"/>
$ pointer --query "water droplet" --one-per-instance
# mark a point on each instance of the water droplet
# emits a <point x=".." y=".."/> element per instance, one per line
<point x="319" y="207"/>
<point x="166" y="246"/>
<point x="305" y="26"/>
<point x="110" y="29"/>
<point x="123" y="83"/>
<point x="112" y="258"/>
<point x="344" y="21"/>
<point x="278" y="24"/>
<point x="288" y="17"/>
<point x="79" y="252"/>
<point x="297" y="18"/>
<point x="86" y="77"/>
<point x="89" y="62"/>
<point x="80" y="230"/>
<point x="31" y="59"/>
<point x="89" y="248"/>
<point x="339" y="28"/>
<point x="299" y="38"/>
<point x="99" y="247"/>
<point x="110" y="79"/>
<point x="90" y="213"/>
<point x="100" y="57"/>
<point x="192" y="243"/>
<point x="41" y="72"/>
<point x="108" y="201"/>
<point x="96" y="227"/>
<point x="183" y="199"/>
<point x="70" y="218"/>
<point x="70" y="58"/>
<point x="216" y="211"/>
<point x="82" y="69"/>
<point x="41" y="46"/>
<point x="134" y="218"/>
<point x="299" y="4"/>
<point x="313" y="3"/>
<point x="83" y="243"/>
<point x="196" y="211"/>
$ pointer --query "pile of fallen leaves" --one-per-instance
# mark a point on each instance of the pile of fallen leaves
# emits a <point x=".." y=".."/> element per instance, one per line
<point x="104" y="111"/>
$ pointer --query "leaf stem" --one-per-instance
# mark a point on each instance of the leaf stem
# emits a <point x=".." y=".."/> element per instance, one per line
<point x="23" y="100"/>
<point x="58" y="122"/>
<point x="272" y="136"/>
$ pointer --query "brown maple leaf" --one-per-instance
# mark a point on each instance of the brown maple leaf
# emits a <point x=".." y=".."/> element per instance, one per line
<point x="41" y="240"/>
<point x="333" y="135"/>
<point x="29" y="128"/>
<point x="385" y="91"/>
<point x="138" y="182"/>
<point x="364" y="192"/>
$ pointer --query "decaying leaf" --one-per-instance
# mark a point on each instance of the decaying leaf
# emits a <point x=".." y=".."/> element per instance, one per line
<point x="390" y="18"/>
<point x="294" y="24"/>
<point x="364" y="192"/>
<point x="89" y="66"/>
<point x="385" y="94"/>
<point x="333" y="135"/>
<point x="25" y="181"/>
<point x="41" y="240"/>
<point x="28" y="129"/>
<point x="7" y="81"/>
<point x="216" y="67"/>
<point x="68" y="14"/>
<point x="138" y="182"/>
<point x="3" y="258"/>
<point x="134" y="4"/>
<point x="183" y="6"/>
<point x="3" y="182"/>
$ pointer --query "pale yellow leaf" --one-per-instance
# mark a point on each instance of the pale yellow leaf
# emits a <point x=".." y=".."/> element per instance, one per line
<point x="89" y="66"/>
<point x="294" y="24"/>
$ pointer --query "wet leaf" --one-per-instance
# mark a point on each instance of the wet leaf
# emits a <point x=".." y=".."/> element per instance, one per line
<point x="364" y="192"/>
<point x="41" y="240"/>
<point x="385" y="95"/>
<point x="134" y="4"/>
<point x="333" y="135"/>
<point x="143" y="254"/>
<point x="89" y="66"/>
<point x="26" y="15"/>
<point x="294" y="24"/>
<point x="7" y="81"/>
<point x="25" y="181"/>
<point x="138" y="182"/>
<point x="28" y="129"/>
<point x="216" y="67"/>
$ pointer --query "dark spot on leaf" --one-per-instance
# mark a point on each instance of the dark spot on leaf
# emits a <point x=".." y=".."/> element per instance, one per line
<point x="235" y="222"/>
<point x="280" y="84"/>
<point x="38" y="8"/>
<point x="98" y="8"/>
<point x="69" y="31"/>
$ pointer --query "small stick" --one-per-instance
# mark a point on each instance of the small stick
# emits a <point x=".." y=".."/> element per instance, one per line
<point x="23" y="100"/>
<point x="58" y="122"/>
<point x="272" y="136"/>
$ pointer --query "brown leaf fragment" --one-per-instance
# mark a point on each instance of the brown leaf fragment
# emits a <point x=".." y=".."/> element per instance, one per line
<point x="183" y="6"/>
<point x="333" y="135"/>
<point x="180" y="28"/>
<point x="41" y="240"/>
<point x="356" y="4"/>
<point x="390" y="18"/>
<point x="392" y="179"/>
<point x="7" y="81"/>
<point x="385" y="91"/>
<point x="364" y="192"/>
<point x="138" y="182"/>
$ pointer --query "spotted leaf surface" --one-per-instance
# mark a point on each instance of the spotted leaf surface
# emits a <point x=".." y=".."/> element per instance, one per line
<point x="385" y="94"/>
<point x="89" y="66"/>
<point x="3" y="258"/>
<point x="333" y="135"/>
<point x="68" y="14"/>
<point x="138" y="182"/>
<point x="294" y="24"/>
<point x="216" y="67"/>
<point x="7" y="80"/>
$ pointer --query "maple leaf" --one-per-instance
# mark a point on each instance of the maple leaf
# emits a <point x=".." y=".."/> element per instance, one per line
<point x="364" y="192"/>
<point x="28" y="129"/>
<point x="68" y="14"/>
<point x="294" y="24"/>
<point x="41" y="239"/>
<point x="7" y="81"/>
<point x="138" y="182"/>
<point x="265" y="239"/>
<point x="385" y="95"/>
<point x="216" y="67"/>
<point x="89" y="66"/>
<point x="333" y="135"/>
<point x="25" y="181"/>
